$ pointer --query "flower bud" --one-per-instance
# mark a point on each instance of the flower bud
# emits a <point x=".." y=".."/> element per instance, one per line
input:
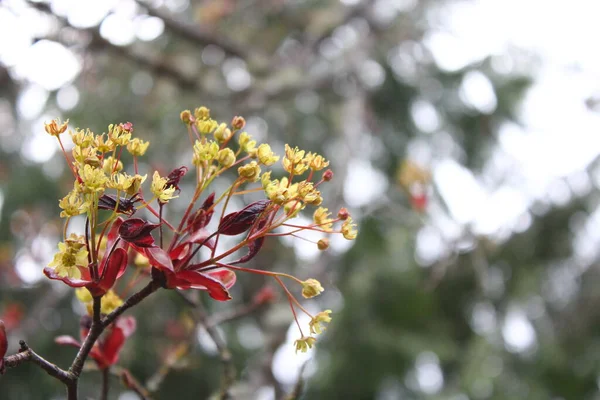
<point x="186" y="117"/>
<point x="328" y="175"/>
<point x="323" y="244"/>
<point x="238" y="123"/>
<point x="343" y="214"/>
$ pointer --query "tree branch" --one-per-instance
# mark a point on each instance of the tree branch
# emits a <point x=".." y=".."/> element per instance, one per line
<point x="195" y="34"/>
<point x="26" y="354"/>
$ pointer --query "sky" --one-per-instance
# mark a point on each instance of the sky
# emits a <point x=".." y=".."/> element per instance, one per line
<point x="541" y="161"/>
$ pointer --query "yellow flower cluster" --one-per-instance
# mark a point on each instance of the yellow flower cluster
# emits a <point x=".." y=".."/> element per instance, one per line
<point x="72" y="254"/>
<point x="110" y="301"/>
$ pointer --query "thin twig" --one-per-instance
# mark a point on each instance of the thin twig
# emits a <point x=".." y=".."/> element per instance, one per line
<point x="105" y="383"/>
<point x="228" y="376"/>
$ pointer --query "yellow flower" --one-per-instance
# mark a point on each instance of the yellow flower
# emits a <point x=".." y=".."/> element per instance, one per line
<point x="121" y="182"/>
<point x="293" y="207"/>
<point x="83" y="295"/>
<point x="322" y="219"/>
<point x="55" y="128"/>
<point x="222" y="133"/>
<point x="71" y="254"/>
<point x="304" y="343"/>
<point x="202" y="113"/>
<point x="309" y="193"/>
<point x="93" y="179"/>
<point x="160" y="190"/>
<point x="137" y="147"/>
<point x="110" y="301"/>
<point x="250" y="171"/>
<point x="82" y="138"/>
<point x="104" y="146"/>
<point x="266" y="155"/>
<point x="141" y="260"/>
<point x="72" y="204"/>
<point x="311" y="288"/>
<point x="206" y="126"/>
<point x="136" y="183"/>
<point x="246" y="142"/>
<point x="118" y="134"/>
<point x="204" y="151"/>
<point x="349" y="229"/>
<point x="238" y="123"/>
<point x="110" y="165"/>
<point x="86" y="155"/>
<point x="315" y="323"/>
<point x="226" y="157"/>
<point x="294" y="161"/>
<point x="317" y="162"/>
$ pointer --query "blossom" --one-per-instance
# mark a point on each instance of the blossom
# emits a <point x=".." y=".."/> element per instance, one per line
<point x="349" y="229"/>
<point x="321" y="218"/>
<point x="305" y="343"/>
<point x="315" y="322"/>
<point x="250" y="171"/>
<point x="160" y="190"/>
<point x="71" y="257"/>
<point x="266" y="155"/>
<point x="226" y="157"/>
<point x="311" y="288"/>
<point x="72" y="204"/>
<point x="69" y="263"/>
<point x="55" y="128"/>
<point x="137" y="147"/>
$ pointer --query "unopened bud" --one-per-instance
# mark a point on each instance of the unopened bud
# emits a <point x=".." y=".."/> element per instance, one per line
<point x="323" y="244"/>
<point x="343" y="214"/>
<point x="328" y="175"/>
<point x="238" y="123"/>
<point x="186" y="117"/>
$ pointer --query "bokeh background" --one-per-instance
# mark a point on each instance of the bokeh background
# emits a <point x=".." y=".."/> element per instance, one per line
<point x="464" y="137"/>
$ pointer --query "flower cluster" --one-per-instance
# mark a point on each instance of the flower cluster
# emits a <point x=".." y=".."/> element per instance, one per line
<point x="118" y="233"/>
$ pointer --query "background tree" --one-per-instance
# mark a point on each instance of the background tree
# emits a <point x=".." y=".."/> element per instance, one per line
<point x="473" y="275"/>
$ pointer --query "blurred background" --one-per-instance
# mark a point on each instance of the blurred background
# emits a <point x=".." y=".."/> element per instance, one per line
<point x="464" y="140"/>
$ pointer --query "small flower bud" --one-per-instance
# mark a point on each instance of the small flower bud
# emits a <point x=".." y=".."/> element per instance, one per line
<point x="311" y="288"/>
<point x="343" y="214"/>
<point x="55" y="128"/>
<point x="323" y="244"/>
<point x="186" y="117"/>
<point x="328" y="175"/>
<point x="238" y="123"/>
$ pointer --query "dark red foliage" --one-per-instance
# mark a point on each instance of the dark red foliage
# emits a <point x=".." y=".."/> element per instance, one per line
<point x="3" y="345"/>
<point x="175" y="176"/>
<point x="106" y="350"/>
<point x="202" y="217"/>
<point x="240" y="221"/>
<point x="137" y="231"/>
<point x="125" y="206"/>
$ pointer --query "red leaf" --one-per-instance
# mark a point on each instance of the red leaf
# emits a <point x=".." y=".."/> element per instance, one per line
<point x="175" y="176"/>
<point x="67" y="340"/>
<point x="3" y="340"/>
<point x="112" y="344"/>
<point x="85" y="277"/>
<point x="110" y="271"/>
<point x="202" y="217"/>
<point x="254" y="246"/>
<point x="158" y="258"/>
<point x="137" y="231"/>
<point x="240" y="221"/>
<point x="197" y="280"/>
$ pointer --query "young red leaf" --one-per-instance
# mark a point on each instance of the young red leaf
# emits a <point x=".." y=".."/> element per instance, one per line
<point x="67" y="340"/>
<point x="137" y="231"/>
<point x="110" y="270"/>
<point x="158" y="258"/>
<point x="3" y="345"/>
<point x="113" y="342"/>
<point x="240" y="221"/>
<point x="253" y="247"/>
<point x="202" y="217"/>
<point x="124" y="206"/>
<point x="175" y="176"/>
<point x="188" y="279"/>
